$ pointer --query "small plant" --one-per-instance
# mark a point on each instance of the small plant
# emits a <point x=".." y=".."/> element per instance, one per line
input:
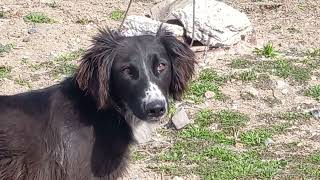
<point x="53" y="4"/>
<point x="285" y="69"/>
<point x="137" y="156"/>
<point x="117" y="15"/>
<point x="293" y="30"/>
<point x="314" y="52"/>
<point x="22" y="82"/>
<point x="208" y="80"/>
<point x="246" y="76"/>
<point x="255" y="137"/>
<point x="65" y="64"/>
<point x="241" y="64"/>
<point x="84" y="21"/>
<point x="2" y="13"/>
<point x="5" y="48"/>
<point x="230" y="121"/>
<point x="4" y="72"/>
<point x="38" y="17"/>
<point x="314" y="91"/>
<point x="267" y="51"/>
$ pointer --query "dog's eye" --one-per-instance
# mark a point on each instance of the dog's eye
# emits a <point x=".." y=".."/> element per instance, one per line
<point x="161" y="67"/>
<point x="126" y="70"/>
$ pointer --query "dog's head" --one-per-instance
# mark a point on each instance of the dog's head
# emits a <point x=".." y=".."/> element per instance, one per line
<point x="137" y="73"/>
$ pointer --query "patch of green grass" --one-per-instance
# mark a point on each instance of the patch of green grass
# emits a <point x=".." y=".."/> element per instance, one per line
<point x="204" y="117"/>
<point x="4" y="72"/>
<point x="255" y="137"/>
<point x="293" y="116"/>
<point x="65" y="64"/>
<point x="198" y="133"/>
<point x="218" y="162"/>
<point x="246" y="76"/>
<point x="312" y="59"/>
<point x="267" y="51"/>
<point x="38" y="66"/>
<point x="315" y="158"/>
<point x="310" y="170"/>
<point x="199" y="150"/>
<point x="310" y="166"/>
<point x="22" y="82"/>
<point x="263" y="82"/>
<point x="314" y="52"/>
<point x="258" y="137"/>
<point x="314" y="92"/>
<point x="117" y="15"/>
<point x="5" y="48"/>
<point x="84" y="21"/>
<point x="203" y="120"/>
<point x="241" y="64"/>
<point x="230" y="121"/>
<point x="208" y="80"/>
<point x="285" y="69"/>
<point x="137" y="156"/>
<point x="230" y="165"/>
<point x="38" y="17"/>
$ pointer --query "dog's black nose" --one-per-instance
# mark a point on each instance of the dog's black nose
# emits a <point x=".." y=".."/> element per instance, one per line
<point x="155" y="108"/>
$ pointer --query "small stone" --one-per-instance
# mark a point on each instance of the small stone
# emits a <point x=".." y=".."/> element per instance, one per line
<point x="282" y="84"/>
<point x="214" y="127"/>
<point x="177" y="178"/>
<point x="180" y="119"/>
<point x="315" y="113"/>
<point x="32" y="31"/>
<point x="284" y="91"/>
<point x="26" y="39"/>
<point x="268" y="142"/>
<point x="209" y="94"/>
<point x="252" y="91"/>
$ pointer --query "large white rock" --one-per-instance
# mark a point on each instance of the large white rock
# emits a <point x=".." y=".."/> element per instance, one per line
<point x="140" y="25"/>
<point x="216" y="23"/>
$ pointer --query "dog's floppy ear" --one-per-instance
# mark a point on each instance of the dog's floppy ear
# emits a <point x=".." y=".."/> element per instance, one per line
<point x="182" y="60"/>
<point x="94" y="71"/>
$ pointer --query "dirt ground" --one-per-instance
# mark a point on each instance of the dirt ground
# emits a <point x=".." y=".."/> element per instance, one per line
<point x="292" y="26"/>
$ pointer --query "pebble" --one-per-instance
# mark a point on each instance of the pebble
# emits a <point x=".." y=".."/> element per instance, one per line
<point x="26" y="39"/>
<point x="32" y="31"/>
<point x="180" y="119"/>
<point x="316" y="113"/>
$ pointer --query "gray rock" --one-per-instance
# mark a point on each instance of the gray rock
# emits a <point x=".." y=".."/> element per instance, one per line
<point x="32" y="31"/>
<point x="315" y="113"/>
<point x="268" y="142"/>
<point x="26" y="39"/>
<point x="140" y="25"/>
<point x="180" y="119"/>
<point x="216" y="23"/>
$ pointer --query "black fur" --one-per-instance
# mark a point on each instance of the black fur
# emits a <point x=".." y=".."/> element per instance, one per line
<point x="76" y="130"/>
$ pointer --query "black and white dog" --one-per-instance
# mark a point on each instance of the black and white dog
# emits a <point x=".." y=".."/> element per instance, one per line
<point x="81" y="129"/>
